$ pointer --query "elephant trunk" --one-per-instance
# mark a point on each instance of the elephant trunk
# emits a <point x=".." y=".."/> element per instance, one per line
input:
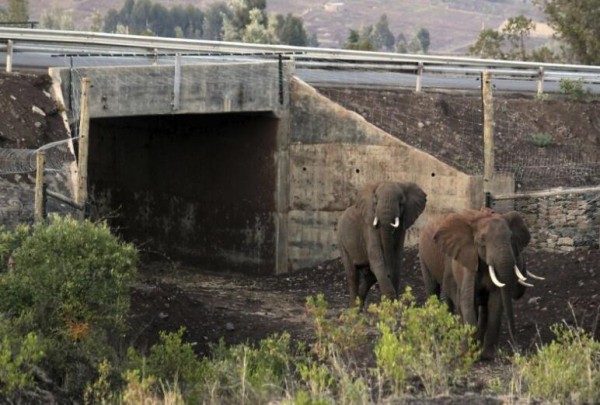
<point x="507" y="276"/>
<point x="508" y="310"/>
<point x="389" y="258"/>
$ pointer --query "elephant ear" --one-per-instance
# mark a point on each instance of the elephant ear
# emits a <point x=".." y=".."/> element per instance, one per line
<point x="415" y="200"/>
<point x="367" y="200"/>
<point x="455" y="237"/>
<point x="520" y="232"/>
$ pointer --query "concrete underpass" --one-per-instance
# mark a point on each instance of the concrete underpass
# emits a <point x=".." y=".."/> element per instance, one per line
<point x="200" y="188"/>
<point x="238" y="166"/>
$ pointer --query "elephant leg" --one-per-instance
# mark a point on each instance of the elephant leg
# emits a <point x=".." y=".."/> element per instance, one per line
<point x="482" y="322"/>
<point x="466" y="297"/>
<point x="449" y="291"/>
<point x="367" y="279"/>
<point x="482" y="318"/>
<point x="432" y="287"/>
<point x="492" y="331"/>
<point x="352" y="277"/>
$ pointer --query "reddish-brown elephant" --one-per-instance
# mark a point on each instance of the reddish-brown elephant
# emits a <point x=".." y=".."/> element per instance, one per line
<point x="371" y="236"/>
<point x="473" y="260"/>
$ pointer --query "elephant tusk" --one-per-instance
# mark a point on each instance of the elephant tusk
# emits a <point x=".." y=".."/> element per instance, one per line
<point x="524" y="283"/>
<point x="494" y="278"/>
<point x="396" y="223"/>
<point x="534" y="276"/>
<point x="519" y="274"/>
<point x="375" y="221"/>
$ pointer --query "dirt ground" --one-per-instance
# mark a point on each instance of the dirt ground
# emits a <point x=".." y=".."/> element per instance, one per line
<point x="239" y="308"/>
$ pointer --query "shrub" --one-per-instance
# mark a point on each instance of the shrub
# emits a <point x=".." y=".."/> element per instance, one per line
<point x="70" y="285"/>
<point x="573" y="88"/>
<point x="427" y="343"/>
<point x="564" y="371"/>
<point x="18" y="356"/>
<point x="344" y="334"/>
<point x="541" y="139"/>
<point x="236" y="374"/>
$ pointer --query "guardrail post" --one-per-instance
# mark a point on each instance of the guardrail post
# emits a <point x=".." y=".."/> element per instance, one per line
<point x="419" y="77"/>
<point x="9" y="56"/>
<point x="540" y="81"/>
<point x="39" y="209"/>
<point x="488" y="129"/>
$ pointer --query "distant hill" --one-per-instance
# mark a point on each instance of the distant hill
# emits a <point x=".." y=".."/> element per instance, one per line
<point x="453" y="24"/>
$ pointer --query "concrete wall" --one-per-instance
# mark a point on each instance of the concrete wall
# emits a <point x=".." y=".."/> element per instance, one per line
<point x="121" y="91"/>
<point x="332" y="153"/>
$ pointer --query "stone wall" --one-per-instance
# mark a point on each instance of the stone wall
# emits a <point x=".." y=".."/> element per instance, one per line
<point x="562" y="223"/>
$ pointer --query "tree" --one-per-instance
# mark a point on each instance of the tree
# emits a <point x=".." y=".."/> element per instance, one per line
<point x="235" y="23"/>
<point x="424" y="38"/>
<point x="57" y="19"/>
<point x="401" y="44"/>
<point x="255" y="31"/>
<point x="96" y="21"/>
<point x="356" y="42"/>
<point x="577" y="25"/>
<point x="383" y="37"/>
<point x="212" y="27"/>
<point x="488" y="45"/>
<point x="415" y="45"/>
<point x="292" y="30"/>
<point x="516" y="30"/>
<point x="18" y="10"/>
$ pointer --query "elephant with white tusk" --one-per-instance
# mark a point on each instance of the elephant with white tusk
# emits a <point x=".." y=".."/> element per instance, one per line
<point x="473" y="260"/>
<point x="371" y="236"/>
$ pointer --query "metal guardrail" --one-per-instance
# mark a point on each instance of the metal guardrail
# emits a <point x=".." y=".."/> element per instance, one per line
<point x="94" y="43"/>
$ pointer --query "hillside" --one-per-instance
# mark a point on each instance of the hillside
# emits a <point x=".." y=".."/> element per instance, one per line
<point x="453" y="24"/>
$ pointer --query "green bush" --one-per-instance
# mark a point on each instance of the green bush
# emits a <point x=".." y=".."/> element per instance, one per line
<point x="573" y="88"/>
<point x="541" y="139"/>
<point x="344" y="334"/>
<point x="18" y="355"/>
<point x="236" y="374"/>
<point x="427" y="343"/>
<point x="564" y="371"/>
<point x="69" y="284"/>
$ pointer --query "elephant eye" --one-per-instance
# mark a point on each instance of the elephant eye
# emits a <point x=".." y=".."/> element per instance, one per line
<point x="481" y="240"/>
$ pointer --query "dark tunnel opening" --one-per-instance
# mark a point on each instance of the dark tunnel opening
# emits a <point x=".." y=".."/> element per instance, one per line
<point x="198" y="188"/>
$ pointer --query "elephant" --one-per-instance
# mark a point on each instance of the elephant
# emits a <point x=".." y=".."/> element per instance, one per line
<point x="371" y="236"/>
<point x="473" y="261"/>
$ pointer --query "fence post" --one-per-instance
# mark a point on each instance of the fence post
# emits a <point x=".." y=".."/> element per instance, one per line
<point x="488" y="129"/>
<point x="540" y="82"/>
<point x="177" y="82"/>
<point x="419" y="77"/>
<point x="9" y="56"/>
<point x="39" y="209"/>
<point x="84" y="132"/>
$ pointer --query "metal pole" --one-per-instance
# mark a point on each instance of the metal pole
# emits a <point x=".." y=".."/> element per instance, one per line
<point x="9" y="56"/>
<point x="280" y="69"/>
